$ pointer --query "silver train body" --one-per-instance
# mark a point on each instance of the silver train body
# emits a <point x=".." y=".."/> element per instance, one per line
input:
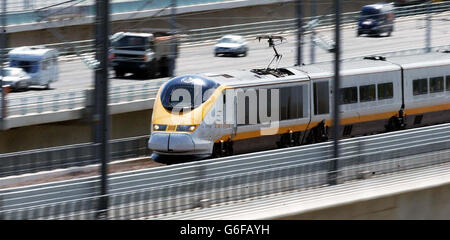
<point x="377" y="95"/>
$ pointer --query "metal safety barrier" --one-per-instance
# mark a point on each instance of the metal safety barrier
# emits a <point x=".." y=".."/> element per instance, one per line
<point x="46" y="159"/>
<point x="152" y="193"/>
<point x="76" y="99"/>
<point x="37" y="104"/>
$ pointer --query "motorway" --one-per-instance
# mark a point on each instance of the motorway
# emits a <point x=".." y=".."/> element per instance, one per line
<point x="409" y="33"/>
<point x="30" y="5"/>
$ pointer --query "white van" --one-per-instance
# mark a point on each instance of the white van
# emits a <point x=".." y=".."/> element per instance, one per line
<point x="40" y="63"/>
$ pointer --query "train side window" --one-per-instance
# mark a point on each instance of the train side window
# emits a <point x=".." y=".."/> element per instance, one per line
<point x="299" y="100"/>
<point x="284" y="103"/>
<point x="296" y="108"/>
<point x="420" y="86"/>
<point x="349" y="95"/>
<point x="247" y="111"/>
<point x="385" y="91"/>
<point x="224" y="108"/>
<point x="367" y="93"/>
<point x="250" y="111"/>
<point x="321" y="98"/>
<point x="292" y="109"/>
<point x="436" y="84"/>
<point x="447" y="82"/>
<point x="291" y="105"/>
<point x="269" y="102"/>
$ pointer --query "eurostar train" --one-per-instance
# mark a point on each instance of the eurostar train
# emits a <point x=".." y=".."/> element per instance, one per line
<point x="264" y="109"/>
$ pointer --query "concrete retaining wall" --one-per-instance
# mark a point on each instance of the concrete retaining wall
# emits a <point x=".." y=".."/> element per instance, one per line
<point x="430" y="203"/>
<point x="123" y="125"/>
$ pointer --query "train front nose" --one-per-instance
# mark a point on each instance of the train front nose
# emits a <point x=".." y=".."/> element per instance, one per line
<point x="171" y="142"/>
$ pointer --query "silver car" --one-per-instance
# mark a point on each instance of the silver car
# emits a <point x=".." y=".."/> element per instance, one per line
<point x="231" y="45"/>
<point x="16" y="78"/>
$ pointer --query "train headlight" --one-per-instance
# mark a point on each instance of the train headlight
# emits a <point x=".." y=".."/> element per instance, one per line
<point x="186" y="128"/>
<point x="159" y="127"/>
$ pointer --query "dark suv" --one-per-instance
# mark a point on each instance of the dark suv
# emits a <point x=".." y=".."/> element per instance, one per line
<point x="376" y="19"/>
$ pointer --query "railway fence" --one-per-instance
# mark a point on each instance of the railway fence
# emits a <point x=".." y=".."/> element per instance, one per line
<point x="156" y="192"/>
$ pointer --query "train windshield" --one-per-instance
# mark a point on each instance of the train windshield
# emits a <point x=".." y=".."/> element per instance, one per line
<point x="186" y="92"/>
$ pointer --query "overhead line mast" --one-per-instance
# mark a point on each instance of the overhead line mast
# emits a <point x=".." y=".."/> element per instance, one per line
<point x="333" y="171"/>
<point x="101" y="115"/>
<point x="299" y="33"/>
<point x="2" y="60"/>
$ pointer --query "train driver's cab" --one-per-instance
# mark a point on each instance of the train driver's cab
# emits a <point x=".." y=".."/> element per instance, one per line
<point x="186" y="93"/>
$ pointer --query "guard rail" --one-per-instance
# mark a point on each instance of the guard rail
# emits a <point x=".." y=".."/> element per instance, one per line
<point x="76" y="99"/>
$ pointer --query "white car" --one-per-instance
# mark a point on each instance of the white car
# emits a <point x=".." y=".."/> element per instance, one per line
<point x="16" y="78"/>
<point x="231" y="45"/>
